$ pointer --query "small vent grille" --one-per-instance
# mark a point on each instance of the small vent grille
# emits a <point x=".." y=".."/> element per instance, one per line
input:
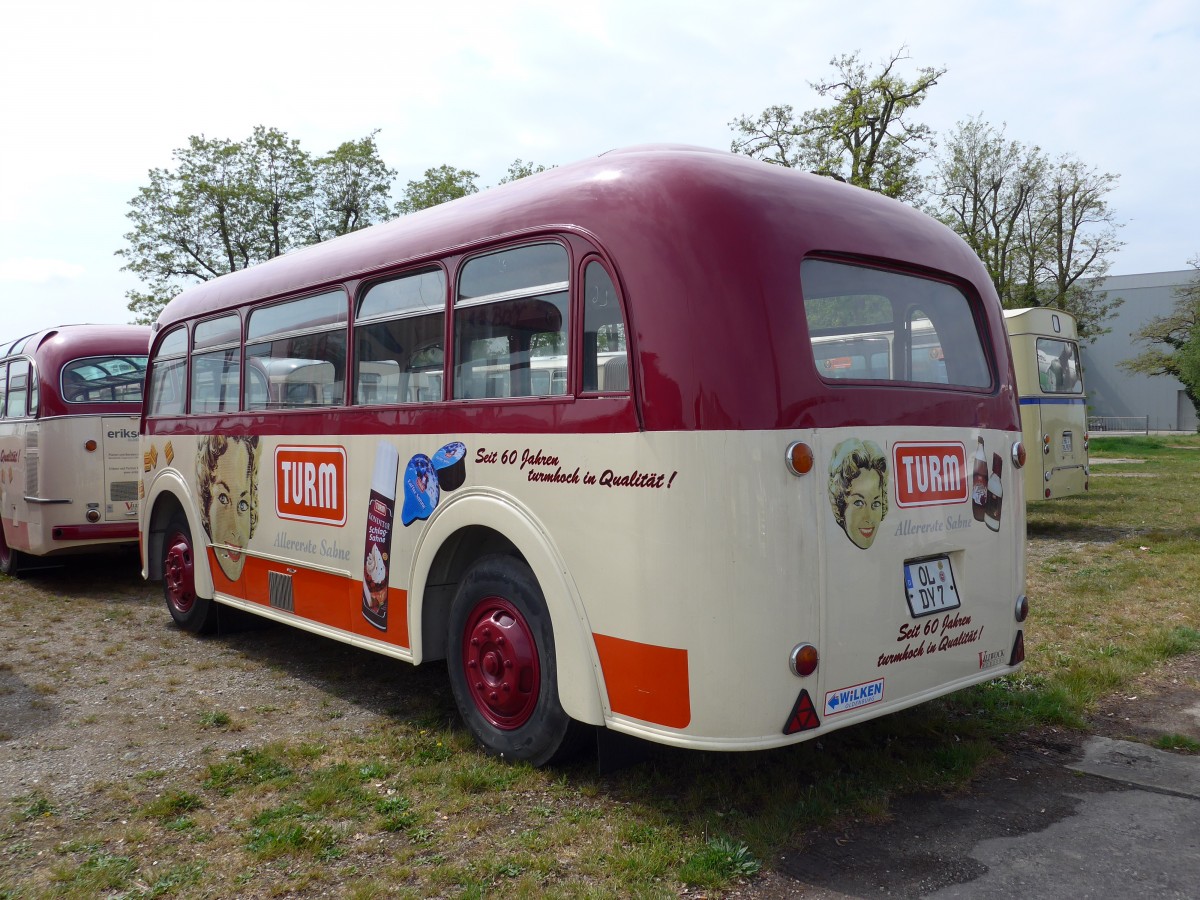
<point x="31" y="439"/>
<point x="122" y="491"/>
<point x="31" y="475"/>
<point x="279" y="588"/>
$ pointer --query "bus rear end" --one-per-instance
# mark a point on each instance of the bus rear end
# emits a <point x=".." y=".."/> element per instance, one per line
<point x="1053" y="404"/>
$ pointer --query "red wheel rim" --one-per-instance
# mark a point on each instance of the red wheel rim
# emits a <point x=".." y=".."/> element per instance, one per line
<point x="179" y="573"/>
<point x="500" y="662"/>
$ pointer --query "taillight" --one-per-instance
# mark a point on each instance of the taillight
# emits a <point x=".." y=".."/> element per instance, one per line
<point x="1018" y="454"/>
<point x="1022" y="610"/>
<point x="799" y="457"/>
<point x="1045" y="443"/>
<point x="804" y="660"/>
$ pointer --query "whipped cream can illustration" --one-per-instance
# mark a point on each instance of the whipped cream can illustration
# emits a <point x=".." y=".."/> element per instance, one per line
<point x="381" y="510"/>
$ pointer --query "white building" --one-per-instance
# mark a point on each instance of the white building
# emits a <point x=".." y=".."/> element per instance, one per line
<point x="1113" y="392"/>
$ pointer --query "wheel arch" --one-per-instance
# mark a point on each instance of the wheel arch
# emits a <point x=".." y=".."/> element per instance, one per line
<point x="481" y="523"/>
<point x="168" y="496"/>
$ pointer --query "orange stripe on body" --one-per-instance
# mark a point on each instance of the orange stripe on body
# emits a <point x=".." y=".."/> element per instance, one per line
<point x="333" y="600"/>
<point x="646" y="681"/>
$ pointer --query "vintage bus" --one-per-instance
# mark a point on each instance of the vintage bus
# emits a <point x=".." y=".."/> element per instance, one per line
<point x="70" y="401"/>
<point x="1045" y="349"/>
<point x="573" y="438"/>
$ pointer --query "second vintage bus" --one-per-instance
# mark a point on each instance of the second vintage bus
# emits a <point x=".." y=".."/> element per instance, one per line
<point x="70" y="402"/>
<point x="1045" y="349"/>
<point x="572" y="435"/>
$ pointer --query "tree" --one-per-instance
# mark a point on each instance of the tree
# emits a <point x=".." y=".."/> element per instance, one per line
<point x="1043" y="229"/>
<point x="519" y="169"/>
<point x="1174" y="341"/>
<point x="438" y="186"/>
<point x="228" y="205"/>
<point x="982" y="186"/>
<point x="1071" y="236"/>
<point x="863" y="137"/>
<point x="351" y="189"/>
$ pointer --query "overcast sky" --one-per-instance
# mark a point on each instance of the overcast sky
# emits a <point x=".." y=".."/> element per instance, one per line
<point x="94" y="95"/>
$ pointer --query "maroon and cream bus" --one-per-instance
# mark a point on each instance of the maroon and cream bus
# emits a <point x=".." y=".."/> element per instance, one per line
<point x="669" y="442"/>
<point x="70" y="401"/>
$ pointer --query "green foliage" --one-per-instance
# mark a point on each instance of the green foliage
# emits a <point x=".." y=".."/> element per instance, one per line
<point x="228" y="204"/>
<point x="719" y="862"/>
<point x="439" y="185"/>
<point x="518" y="169"/>
<point x="862" y="137"/>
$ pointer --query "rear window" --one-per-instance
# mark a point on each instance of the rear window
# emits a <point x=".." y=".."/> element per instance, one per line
<point x="104" y="379"/>
<point x="1058" y="367"/>
<point x="868" y="324"/>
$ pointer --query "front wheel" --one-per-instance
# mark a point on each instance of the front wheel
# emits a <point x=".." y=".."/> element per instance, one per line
<point x="190" y="612"/>
<point x="502" y="665"/>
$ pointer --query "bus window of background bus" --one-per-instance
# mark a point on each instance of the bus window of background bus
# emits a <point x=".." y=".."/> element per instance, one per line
<point x="605" y="355"/>
<point x="3" y="386"/>
<point x="300" y="346"/>
<point x="216" y="364"/>
<point x="22" y="390"/>
<point x="511" y="324"/>
<point x="398" y="335"/>
<point x="852" y="311"/>
<point x="1058" y="367"/>
<point x="104" y="379"/>
<point x="168" y="372"/>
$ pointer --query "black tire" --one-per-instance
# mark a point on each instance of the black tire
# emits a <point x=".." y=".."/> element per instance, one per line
<point x="190" y="611"/>
<point x="500" y="655"/>
<point x="11" y="561"/>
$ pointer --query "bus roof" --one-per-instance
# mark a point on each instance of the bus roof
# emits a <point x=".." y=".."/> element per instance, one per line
<point x="1043" y="320"/>
<point x="63" y="343"/>
<point x="706" y="247"/>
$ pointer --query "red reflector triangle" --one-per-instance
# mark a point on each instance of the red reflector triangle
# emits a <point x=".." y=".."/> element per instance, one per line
<point x="804" y="715"/>
<point x="1018" y="651"/>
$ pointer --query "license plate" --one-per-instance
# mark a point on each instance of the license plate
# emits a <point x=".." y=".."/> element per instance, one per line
<point x="929" y="586"/>
<point x="1066" y="442"/>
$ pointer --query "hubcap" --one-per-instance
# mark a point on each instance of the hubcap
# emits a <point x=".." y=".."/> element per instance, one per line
<point x="500" y="661"/>
<point x="178" y="573"/>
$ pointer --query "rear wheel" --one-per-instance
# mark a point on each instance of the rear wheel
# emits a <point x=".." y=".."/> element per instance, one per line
<point x="11" y="561"/>
<point x="190" y="612"/>
<point x="502" y="665"/>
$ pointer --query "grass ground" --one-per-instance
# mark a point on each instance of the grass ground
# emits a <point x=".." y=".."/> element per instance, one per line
<point x="408" y="807"/>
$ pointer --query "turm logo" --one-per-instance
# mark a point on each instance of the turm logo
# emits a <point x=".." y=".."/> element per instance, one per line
<point x="930" y="474"/>
<point x="310" y="484"/>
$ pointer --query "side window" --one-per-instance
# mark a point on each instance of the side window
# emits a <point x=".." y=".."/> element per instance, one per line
<point x="3" y="386"/>
<point x="168" y="373"/>
<point x="298" y="350"/>
<point x="216" y="365"/>
<point x="875" y="325"/>
<point x="1058" y="367"/>
<point x="605" y="355"/>
<point x="22" y="392"/>
<point x="511" y="324"/>
<point x="398" y="336"/>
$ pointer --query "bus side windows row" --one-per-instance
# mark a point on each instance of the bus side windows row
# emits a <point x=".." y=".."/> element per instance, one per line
<point x="18" y="389"/>
<point x="512" y="338"/>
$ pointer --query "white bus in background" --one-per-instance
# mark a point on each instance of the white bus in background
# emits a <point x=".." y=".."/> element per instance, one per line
<point x="1045" y="349"/>
<point x="70" y="401"/>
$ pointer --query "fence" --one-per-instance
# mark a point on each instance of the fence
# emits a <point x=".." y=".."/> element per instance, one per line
<point x="1137" y="424"/>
